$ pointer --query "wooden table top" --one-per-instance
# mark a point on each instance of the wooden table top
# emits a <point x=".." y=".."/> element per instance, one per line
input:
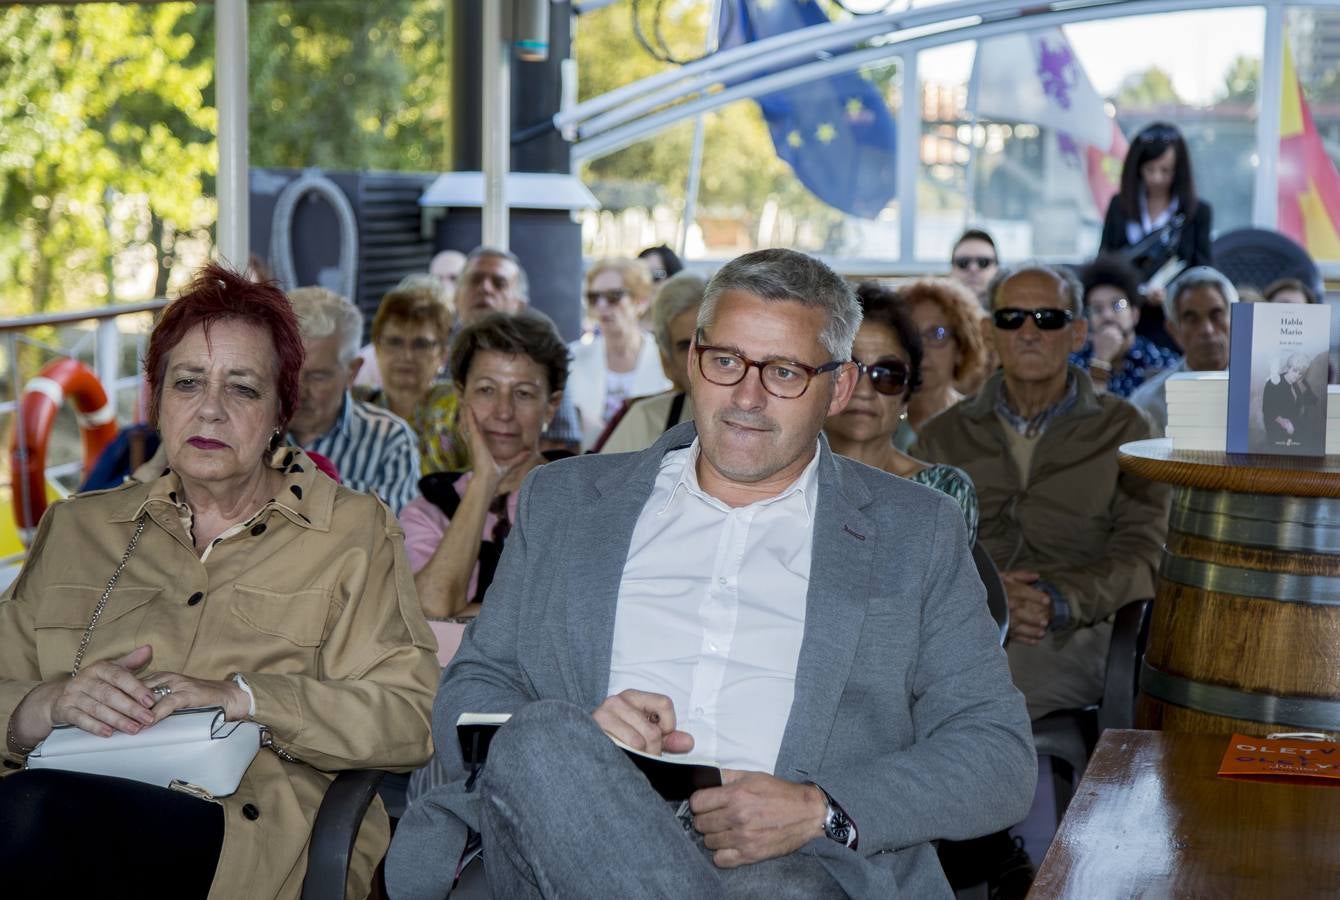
<point x="1152" y="819"/>
<point x="1293" y="476"/>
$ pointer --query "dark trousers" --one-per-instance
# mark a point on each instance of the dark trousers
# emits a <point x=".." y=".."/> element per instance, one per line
<point x="65" y="834"/>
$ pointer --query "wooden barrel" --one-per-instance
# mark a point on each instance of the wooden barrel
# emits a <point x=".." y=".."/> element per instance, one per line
<point x="1245" y="629"/>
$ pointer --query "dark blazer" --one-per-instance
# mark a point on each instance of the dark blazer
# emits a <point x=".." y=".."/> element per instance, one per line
<point x="904" y="710"/>
<point x="1193" y="248"/>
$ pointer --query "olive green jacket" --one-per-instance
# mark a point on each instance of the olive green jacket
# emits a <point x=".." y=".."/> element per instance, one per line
<point x="1093" y="531"/>
<point x="311" y="600"/>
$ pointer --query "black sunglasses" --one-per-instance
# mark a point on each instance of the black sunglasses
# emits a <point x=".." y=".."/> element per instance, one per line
<point x="981" y="262"/>
<point x="1010" y="319"/>
<point x="888" y="376"/>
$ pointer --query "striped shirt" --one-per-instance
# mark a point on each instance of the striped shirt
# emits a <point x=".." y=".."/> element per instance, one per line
<point x="374" y="450"/>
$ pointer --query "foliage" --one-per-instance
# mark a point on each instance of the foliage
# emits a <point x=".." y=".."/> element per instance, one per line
<point x="1142" y="90"/>
<point x="97" y="102"/>
<point x="1241" y="80"/>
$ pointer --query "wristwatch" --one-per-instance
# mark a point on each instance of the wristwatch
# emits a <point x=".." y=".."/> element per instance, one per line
<point x="838" y="826"/>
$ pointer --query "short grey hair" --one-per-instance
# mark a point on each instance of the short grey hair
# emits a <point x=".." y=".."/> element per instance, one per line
<point x="1194" y="277"/>
<point x="678" y="294"/>
<point x="787" y="275"/>
<point x="522" y="282"/>
<point x="422" y="281"/>
<point x="1068" y="285"/>
<point x="322" y="312"/>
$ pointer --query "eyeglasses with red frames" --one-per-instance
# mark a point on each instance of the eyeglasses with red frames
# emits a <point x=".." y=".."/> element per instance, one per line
<point x="785" y="379"/>
<point x="888" y="376"/>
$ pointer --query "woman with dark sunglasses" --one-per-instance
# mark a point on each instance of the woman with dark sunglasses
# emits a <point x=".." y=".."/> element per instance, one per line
<point x="888" y="351"/>
<point x="947" y="318"/>
<point x="1157" y="216"/>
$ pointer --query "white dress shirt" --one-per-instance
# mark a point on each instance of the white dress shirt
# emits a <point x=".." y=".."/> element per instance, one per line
<point x="711" y="611"/>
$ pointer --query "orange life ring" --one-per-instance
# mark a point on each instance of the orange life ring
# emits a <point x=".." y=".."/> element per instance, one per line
<point x="41" y="400"/>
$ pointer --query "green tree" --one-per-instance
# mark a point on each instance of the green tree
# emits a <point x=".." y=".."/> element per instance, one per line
<point x="98" y="102"/>
<point x="1241" y="81"/>
<point x="1152" y="87"/>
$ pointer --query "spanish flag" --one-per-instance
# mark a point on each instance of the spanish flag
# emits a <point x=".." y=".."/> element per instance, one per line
<point x="1309" y="186"/>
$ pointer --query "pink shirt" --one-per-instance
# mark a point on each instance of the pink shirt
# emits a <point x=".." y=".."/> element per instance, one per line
<point x="425" y="525"/>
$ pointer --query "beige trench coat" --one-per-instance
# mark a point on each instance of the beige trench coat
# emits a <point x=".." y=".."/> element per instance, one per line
<point x="311" y="600"/>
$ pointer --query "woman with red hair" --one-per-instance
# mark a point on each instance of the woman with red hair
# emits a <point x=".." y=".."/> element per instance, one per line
<point x="240" y="578"/>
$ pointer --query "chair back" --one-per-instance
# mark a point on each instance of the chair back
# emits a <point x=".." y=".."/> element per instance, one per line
<point x="996" y="600"/>
<point x="1257" y="257"/>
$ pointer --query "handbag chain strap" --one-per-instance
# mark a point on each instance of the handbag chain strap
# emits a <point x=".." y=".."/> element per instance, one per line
<point x="107" y="592"/>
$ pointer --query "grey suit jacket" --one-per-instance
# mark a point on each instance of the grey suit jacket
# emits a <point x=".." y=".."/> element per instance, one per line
<point x="904" y="710"/>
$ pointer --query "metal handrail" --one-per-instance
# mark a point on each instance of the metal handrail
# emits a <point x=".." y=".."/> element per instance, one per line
<point x="64" y="318"/>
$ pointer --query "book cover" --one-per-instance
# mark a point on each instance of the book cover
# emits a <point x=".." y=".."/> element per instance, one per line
<point x="674" y="778"/>
<point x="1277" y="378"/>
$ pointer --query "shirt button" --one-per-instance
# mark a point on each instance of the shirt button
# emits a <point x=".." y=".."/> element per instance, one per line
<point x="250" y="812"/>
<point x="258" y="529"/>
<point x="195" y="598"/>
<point x="721" y="581"/>
<point x="711" y="646"/>
<point x="698" y="712"/>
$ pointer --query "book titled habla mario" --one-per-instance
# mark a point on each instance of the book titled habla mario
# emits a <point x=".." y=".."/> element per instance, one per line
<point x="1278" y="355"/>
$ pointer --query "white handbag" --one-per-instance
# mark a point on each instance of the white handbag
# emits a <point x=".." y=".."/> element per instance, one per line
<point x="196" y="751"/>
<point x="193" y="750"/>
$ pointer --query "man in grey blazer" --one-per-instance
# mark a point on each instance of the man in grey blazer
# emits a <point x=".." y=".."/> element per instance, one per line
<point x="739" y="593"/>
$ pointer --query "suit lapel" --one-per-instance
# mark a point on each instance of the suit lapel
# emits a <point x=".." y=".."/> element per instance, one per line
<point x="599" y="549"/>
<point x="835" y="607"/>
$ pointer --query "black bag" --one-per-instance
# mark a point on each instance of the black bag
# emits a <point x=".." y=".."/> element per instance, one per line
<point x="1151" y="252"/>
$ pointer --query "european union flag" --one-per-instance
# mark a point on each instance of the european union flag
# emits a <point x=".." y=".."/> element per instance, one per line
<point x="836" y="133"/>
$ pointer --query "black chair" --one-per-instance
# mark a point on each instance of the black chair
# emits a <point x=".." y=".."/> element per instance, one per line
<point x="1068" y="736"/>
<point x="334" y="831"/>
<point x="995" y="589"/>
<point x="1256" y="257"/>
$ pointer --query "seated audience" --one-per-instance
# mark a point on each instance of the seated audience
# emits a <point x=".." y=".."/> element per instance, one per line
<point x="495" y="281"/>
<point x="674" y="317"/>
<point x="620" y="360"/>
<point x="887" y="353"/>
<point x="1289" y="290"/>
<point x="411" y="331"/>
<point x="661" y="263"/>
<point x="948" y="320"/>
<point x="1196" y="314"/>
<point x="373" y="449"/>
<point x="974" y="262"/>
<point x="238" y="577"/>
<point x="1117" y="359"/>
<point x="510" y="371"/>
<point x="814" y="626"/>
<point x="446" y="266"/>
<point x="1074" y="537"/>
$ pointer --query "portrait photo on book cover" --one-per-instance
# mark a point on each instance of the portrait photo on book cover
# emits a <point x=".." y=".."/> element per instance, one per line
<point x="1291" y="400"/>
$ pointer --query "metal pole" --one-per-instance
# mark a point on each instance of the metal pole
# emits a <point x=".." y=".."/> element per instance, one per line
<point x="696" y="154"/>
<point x="18" y="474"/>
<point x="909" y="156"/>
<point x="970" y="176"/>
<point x="497" y="107"/>
<point x="107" y="356"/>
<point x="230" y="84"/>
<point x="1265" y="199"/>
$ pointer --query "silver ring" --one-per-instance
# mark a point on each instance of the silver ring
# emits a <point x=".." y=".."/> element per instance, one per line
<point x="161" y="690"/>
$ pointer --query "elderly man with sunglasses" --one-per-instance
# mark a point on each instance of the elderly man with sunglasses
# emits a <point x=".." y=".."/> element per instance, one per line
<point x="1075" y="538"/>
<point x="738" y="594"/>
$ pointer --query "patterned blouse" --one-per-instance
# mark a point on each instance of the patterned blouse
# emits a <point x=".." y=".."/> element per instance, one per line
<point x="957" y="484"/>
<point x="441" y="449"/>
<point x="1144" y="360"/>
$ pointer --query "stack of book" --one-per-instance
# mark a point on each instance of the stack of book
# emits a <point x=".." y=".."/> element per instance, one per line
<point x="1198" y="412"/>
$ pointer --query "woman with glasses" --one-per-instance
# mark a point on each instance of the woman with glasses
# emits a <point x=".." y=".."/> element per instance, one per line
<point x="410" y="333"/>
<point x="510" y="371"/>
<point x="946" y="317"/>
<point x="1117" y="359"/>
<point x="620" y="359"/>
<point x="1157" y="216"/>
<point x="888" y="351"/>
